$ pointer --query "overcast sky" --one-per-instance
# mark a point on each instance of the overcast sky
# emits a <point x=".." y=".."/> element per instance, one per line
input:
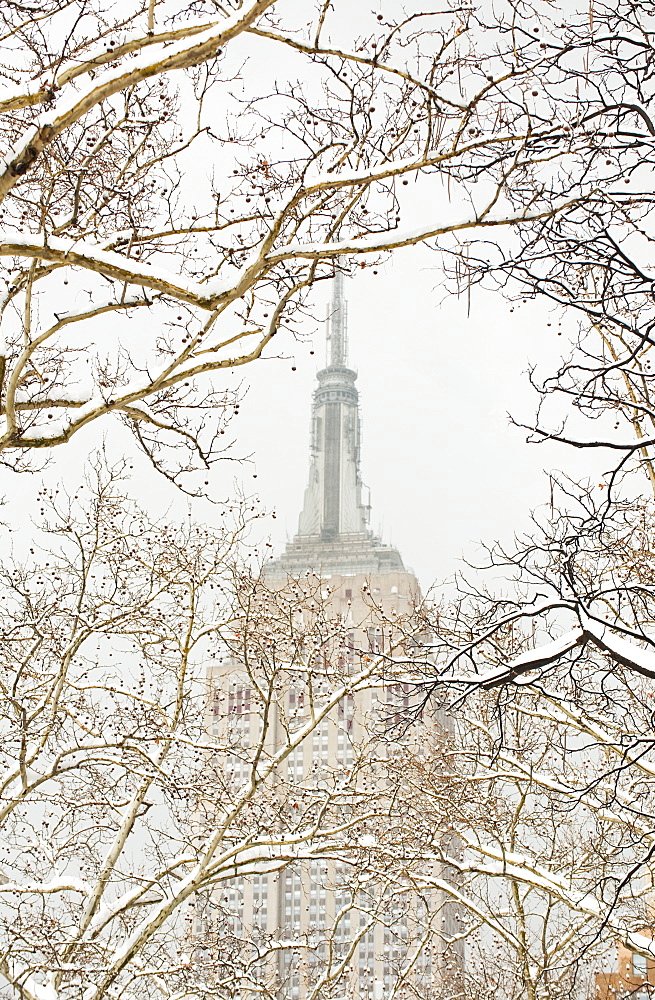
<point x="443" y="463"/>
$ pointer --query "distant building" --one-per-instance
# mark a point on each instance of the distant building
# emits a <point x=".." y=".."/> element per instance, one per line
<point x="367" y="587"/>
<point x="634" y="977"/>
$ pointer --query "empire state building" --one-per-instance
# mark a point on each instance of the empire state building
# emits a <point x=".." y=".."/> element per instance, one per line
<point x="347" y="601"/>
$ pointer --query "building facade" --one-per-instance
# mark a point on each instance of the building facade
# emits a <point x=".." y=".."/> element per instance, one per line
<point x="633" y="977"/>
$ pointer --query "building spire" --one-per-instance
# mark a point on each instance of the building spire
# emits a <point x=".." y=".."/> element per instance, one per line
<point x="333" y="531"/>
<point x="337" y="325"/>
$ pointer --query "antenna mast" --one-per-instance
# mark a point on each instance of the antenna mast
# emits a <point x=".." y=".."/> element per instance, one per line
<point x="338" y="323"/>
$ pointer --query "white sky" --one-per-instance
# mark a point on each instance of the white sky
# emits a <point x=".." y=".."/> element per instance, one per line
<point x="444" y="465"/>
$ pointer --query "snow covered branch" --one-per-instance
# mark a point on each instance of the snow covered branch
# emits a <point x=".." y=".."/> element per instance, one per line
<point x="143" y="165"/>
<point x="164" y="756"/>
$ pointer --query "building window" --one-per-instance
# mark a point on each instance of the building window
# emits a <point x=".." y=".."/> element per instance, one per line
<point x="366" y="961"/>
<point x="295" y="764"/>
<point x="292" y="900"/>
<point x="345" y="712"/>
<point x="239" y="700"/>
<point x="296" y="708"/>
<point x="320" y="743"/>
<point x="317" y="896"/>
<point x="398" y="702"/>
<point x="239" y="770"/>
<point x="260" y="901"/>
<point x="343" y="914"/>
<point x="639" y="967"/>
<point x="296" y="699"/>
<point x="233" y="907"/>
<point x="375" y="639"/>
<point x="344" y="749"/>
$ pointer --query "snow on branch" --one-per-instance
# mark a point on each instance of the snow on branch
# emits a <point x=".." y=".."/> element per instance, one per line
<point x="627" y="653"/>
<point x="591" y="630"/>
<point x="45" y="888"/>
<point x="372" y="242"/>
<point x="78" y="253"/>
<point x="192" y="50"/>
<point x="533" y="659"/>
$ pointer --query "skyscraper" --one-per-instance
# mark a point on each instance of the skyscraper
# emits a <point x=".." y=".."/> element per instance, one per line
<point x="381" y="937"/>
<point x="333" y="536"/>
